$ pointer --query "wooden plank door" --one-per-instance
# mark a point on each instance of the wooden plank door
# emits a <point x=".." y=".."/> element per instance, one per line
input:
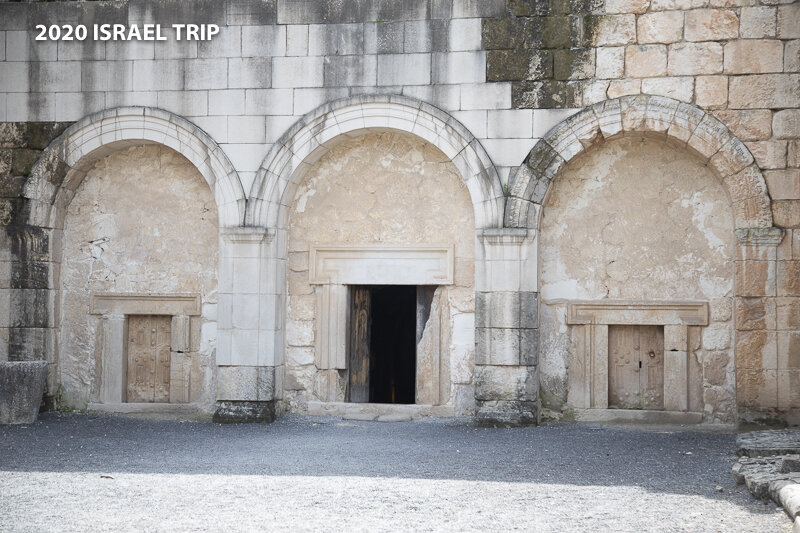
<point x="636" y="367"/>
<point x="148" y="358"/>
<point x="359" y="345"/>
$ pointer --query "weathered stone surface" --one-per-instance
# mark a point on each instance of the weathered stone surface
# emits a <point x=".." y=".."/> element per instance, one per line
<point x="645" y="61"/>
<point x="618" y="88"/>
<point x="614" y="30"/>
<point x="789" y="22"/>
<point x="786" y="213"/>
<point x="786" y="124"/>
<point x="780" y="91"/>
<point x="755" y="278"/>
<point x="783" y="184"/>
<point x="757" y="22"/>
<point x="238" y="412"/>
<point x="661" y="27"/>
<point x="695" y="58"/>
<point x="711" y="25"/>
<point x="769" y="154"/>
<point x="750" y="125"/>
<point x="749" y="56"/>
<point x="711" y="92"/>
<point x="768" y="443"/>
<point x="678" y="88"/>
<point x="22" y="384"/>
<point x="788" y="278"/>
<point x="610" y="62"/>
<point x="755" y="313"/>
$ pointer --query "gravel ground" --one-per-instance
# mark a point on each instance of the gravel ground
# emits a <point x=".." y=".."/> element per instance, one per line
<point x="104" y="473"/>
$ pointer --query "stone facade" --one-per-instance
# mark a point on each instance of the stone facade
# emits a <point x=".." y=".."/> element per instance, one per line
<point x="502" y="104"/>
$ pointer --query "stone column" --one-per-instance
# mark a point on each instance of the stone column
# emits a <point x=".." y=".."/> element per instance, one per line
<point x="506" y="327"/>
<point x="250" y="332"/>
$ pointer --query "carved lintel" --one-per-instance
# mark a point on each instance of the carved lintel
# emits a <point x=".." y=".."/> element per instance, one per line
<point x="638" y="312"/>
<point x="144" y="304"/>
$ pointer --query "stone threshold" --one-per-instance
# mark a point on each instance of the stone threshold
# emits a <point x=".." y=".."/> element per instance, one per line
<point x="183" y="411"/>
<point x="381" y="412"/>
<point x="646" y="416"/>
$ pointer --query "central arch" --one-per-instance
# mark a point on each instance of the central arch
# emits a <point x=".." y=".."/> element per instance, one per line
<point x="312" y="136"/>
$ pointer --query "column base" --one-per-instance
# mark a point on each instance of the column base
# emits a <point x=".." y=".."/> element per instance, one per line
<point x="506" y="413"/>
<point x="243" y="412"/>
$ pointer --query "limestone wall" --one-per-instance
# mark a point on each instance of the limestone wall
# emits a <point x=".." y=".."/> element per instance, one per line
<point x="142" y="221"/>
<point x="380" y="188"/>
<point x="638" y="219"/>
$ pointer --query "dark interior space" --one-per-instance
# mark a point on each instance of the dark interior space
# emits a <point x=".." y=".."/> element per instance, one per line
<point x="393" y="358"/>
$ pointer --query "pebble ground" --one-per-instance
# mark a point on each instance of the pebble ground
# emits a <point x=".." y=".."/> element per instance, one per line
<point x="71" y="472"/>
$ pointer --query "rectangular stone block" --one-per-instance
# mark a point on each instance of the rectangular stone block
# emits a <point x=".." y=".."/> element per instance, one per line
<point x="769" y="154"/>
<point x="786" y="124"/>
<point x="249" y="72"/>
<point x="417" y="36"/>
<point x="786" y="213"/>
<point x="404" y="69"/>
<point x="268" y="101"/>
<point x="297" y="72"/>
<point x="464" y="34"/>
<point x="263" y="41"/>
<point x="783" y="184"/>
<point x="756" y="389"/>
<point x="205" y="73"/>
<point x="755" y="278"/>
<point x="161" y="75"/>
<point x="486" y="96"/>
<point x="348" y="71"/>
<point x="757" y="350"/>
<point x="610" y="62"/>
<point x="711" y="25"/>
<point x="246" y="129"/>
<point x="615" y="30"/>
<point x="459" y="67"/>
<point x="643" y="61"/>
<point x="695" y="58"/>
<point x="747" y="125"/>
<point x="226" y="102"/>
<point x="297" y="40"/>
<point x="779" y="91"/>
<point x="335" y="39"/>
<point x="187" y="103"/>
<point x="752" y="56"/>
<point x="227" y="43"/>
<point x="757" y="22"/>
<point x="788" y="278"/>
<point x="678" y="88"/>
<point x="789" y="21"/>
<point x="791" y="56"/>
<point x="755" y="314"/>
<point x="664" y="27"/>
<point x="711" y="92"/>
<point x="505" y="383"/>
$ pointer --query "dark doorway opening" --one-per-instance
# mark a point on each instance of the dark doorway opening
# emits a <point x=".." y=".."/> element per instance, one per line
<point x="382" y="351"/>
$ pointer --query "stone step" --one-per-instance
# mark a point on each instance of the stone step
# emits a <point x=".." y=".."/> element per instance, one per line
<point x="760" y="473"/>
<point x="770" y="442"/>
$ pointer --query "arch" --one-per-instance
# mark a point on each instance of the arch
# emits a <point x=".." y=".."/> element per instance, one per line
<point x="313" y="135"/>
<point x="652" y="116"/>
<point x="62" y="166"/>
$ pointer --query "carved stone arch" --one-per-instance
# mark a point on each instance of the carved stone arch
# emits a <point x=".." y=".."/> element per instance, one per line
<point x="316" y="133"/>
<point x="652" y="116"/>
<point x="62" y="166"/>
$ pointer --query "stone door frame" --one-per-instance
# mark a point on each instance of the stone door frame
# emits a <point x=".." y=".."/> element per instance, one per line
<point x="591" y="319"/>
<point x="113" y="310"/>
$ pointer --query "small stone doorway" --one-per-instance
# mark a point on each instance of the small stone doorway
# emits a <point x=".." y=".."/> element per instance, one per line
<point x="148" y="372"/>
<point x="382" y="344"/>
<point x="636" y="367"/>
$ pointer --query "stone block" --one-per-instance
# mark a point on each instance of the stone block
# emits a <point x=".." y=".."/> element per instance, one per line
<point x="662" y="27"/>
<point x="711" y="25"/>
<point x="627" y="87"/>
<point x="711" y="92"/>
<point x="756" y="350"/>
<point x="614" y="30"/>
<point x="778" y="91"/>
<point x="752" y="56"/>
<point x="786" y="213"/>
<point x="755" y="314"/>
<point x="717" y="336"/>
<point x="335" y="39"/>
<point x="695" y="58"/>
<point x="747" y="125"/>
<point x="769" y="154"/>
<point x="226" y="102"/>
<point x="249" y="72"/>
<point x="268" y="101"/>
<point x="292" y="72"/>
<point x="755" y="278"/>
<point x="203" y="74"/>
<point x="404" y="69"/>
<point x="678" y="88"/>
<point x="788" y="313"/>
<point x="789" y="21"/>
<point x="263" y="41"/>
<point x="757" y="22"/>
<point x="786" y="124"/>
<point x="666" y="5"/>
<point x="756" y="388"/>
<point x="227" y="43"/>
<point x="610" y="62"/>
<point x="464" y="34"/>
<point x="505" y="383"/>
<point x="238" y="412"/>
<point x="486" y="96"/>
<point x="715" y="368"/>
<point x="643" y="61"/>
<point x="791" y="56"/>
<point x="297" y="40"/>
<point x="509" y="124"/>
<point x="721" y="309"/>
<point x="352" y="70"/>
<point x="788" y="278"/>
<point x="459" y="67"/>
<point x="783" y="184"/>
<point x="22" y="384"/>
<point x="574" y="64"/>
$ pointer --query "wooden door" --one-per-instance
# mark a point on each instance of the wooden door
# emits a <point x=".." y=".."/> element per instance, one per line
<point x="148" y="358"/>
<point x="359" y="344"/>
<point x="636" y="367"/>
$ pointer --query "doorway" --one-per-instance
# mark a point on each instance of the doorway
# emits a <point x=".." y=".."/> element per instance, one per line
<point x="382" y="359"/>
<point x="148" y="358"/>
<point x="636" y="367"/>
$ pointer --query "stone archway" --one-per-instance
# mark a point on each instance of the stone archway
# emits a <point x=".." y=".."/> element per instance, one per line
<point x="48" y="191"/>
<point x="752" y="264"/>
